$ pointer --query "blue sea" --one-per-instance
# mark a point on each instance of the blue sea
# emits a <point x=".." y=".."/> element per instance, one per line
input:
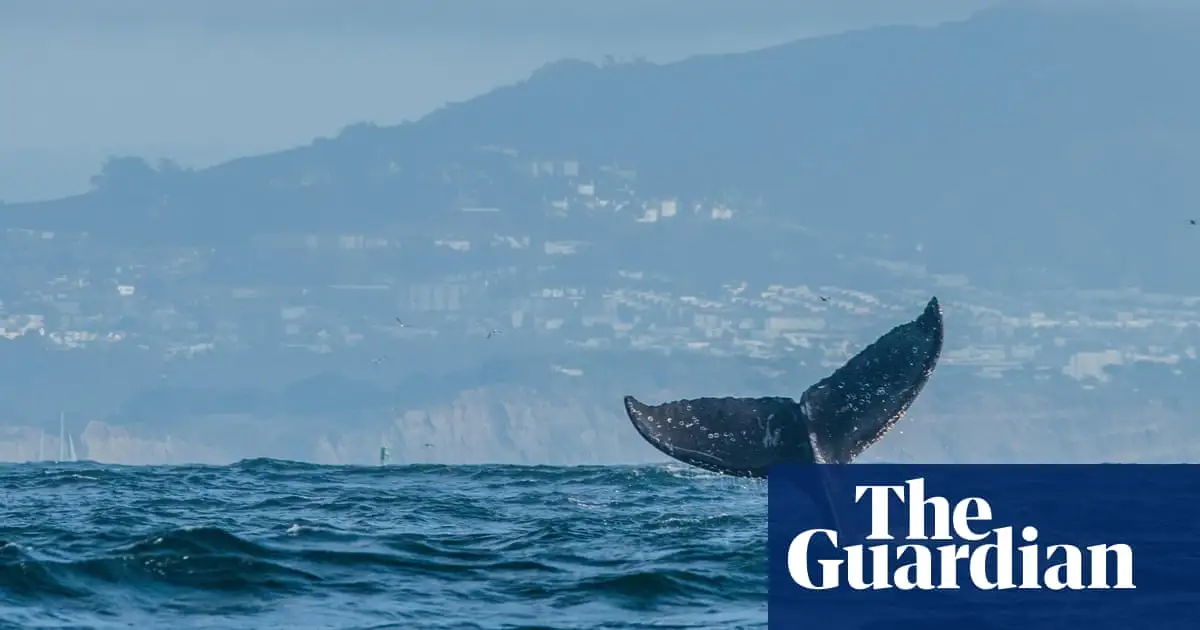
<point x="269" y="544"/>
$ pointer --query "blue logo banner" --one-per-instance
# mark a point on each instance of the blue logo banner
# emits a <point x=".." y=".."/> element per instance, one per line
<point x="984" y="546"/>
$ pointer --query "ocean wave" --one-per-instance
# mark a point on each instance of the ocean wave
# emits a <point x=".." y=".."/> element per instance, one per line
<point x="419" y="546"/>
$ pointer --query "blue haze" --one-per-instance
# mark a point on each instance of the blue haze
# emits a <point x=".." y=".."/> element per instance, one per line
<point x="237" y="234"/>
<point x="631" y="227"/>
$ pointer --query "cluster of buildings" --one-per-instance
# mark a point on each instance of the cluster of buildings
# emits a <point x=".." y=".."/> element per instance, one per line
<point x="90" y="307"/>
<point x="541" y="281"/>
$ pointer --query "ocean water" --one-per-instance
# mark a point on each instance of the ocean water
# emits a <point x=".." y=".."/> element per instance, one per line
<point x="269" y="544"/>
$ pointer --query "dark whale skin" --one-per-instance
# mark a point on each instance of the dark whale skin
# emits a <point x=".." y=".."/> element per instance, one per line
<point x="834" y="421"/>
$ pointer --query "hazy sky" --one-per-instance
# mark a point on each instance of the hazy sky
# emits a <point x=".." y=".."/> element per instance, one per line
<point x="203" y="81"/>
<point x="206" y="80"/>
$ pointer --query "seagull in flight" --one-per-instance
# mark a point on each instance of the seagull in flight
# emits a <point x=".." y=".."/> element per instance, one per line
<point x="493" y="332"/>
<point x="378" y="360"/>
<point x="401" y="322"/>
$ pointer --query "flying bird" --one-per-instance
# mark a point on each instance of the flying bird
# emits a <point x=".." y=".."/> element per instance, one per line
<point x="399" y="321"/>
<point x="493" y="332"/>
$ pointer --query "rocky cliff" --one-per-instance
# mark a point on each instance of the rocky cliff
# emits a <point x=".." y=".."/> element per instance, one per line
<point x="507" y="424"/>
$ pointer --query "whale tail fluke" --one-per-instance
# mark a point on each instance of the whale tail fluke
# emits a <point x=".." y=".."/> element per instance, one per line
<point x="734" y="436"/>
<point x="834" y="421"/>
<point x="858" y="404"/>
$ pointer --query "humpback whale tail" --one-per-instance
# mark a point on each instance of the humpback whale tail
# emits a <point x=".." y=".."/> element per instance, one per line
<point x="834" y="421"/>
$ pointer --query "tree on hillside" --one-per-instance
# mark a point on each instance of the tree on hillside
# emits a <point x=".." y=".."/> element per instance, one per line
<point x="124" y="173"/>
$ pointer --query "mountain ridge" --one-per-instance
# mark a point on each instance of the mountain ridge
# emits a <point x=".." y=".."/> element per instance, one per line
<point x="1010" y="139"/>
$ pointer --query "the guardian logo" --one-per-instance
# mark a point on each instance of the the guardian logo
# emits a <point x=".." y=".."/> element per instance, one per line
<point x="919" y="565"/>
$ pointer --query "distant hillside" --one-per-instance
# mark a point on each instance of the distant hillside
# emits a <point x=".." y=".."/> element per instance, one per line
<point x="526" y="411"/>
<point x="1011" y="142"/>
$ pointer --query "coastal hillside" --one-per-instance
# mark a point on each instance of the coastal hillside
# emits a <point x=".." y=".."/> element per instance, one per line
<point x="1012" y="144"/>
